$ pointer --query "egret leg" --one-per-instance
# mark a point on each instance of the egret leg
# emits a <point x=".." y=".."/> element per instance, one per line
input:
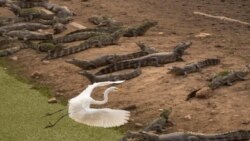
<point x="50" y="114"/>
<point x="52" y="125"/>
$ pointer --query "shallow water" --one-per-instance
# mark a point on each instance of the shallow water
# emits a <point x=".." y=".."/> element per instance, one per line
<point x="21" y="112"/>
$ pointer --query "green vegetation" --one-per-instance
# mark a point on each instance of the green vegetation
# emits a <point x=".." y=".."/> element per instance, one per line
<point x="21" y="112"/>
<point x="223" y="73"/>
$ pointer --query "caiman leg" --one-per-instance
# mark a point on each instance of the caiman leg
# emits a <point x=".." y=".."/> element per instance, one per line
<point x="198" y="68"/>
<point x="180" y="60"/>
<point x="30" y="17"/>
<point x="4" y="33"/>
<point x="25" y="38"/>
<point x="137" y="65"/>
<point x="228" y="83"/>
<point x="159" y="129"/>
<point x="185" y="73"/>
<point x="97" y="44"/>
<point x="90" y="65"/>
<point x="155" y="62"/>
<point x="111" y="59"/>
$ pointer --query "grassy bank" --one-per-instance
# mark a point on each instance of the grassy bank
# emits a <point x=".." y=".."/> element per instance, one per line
<point x="21" y="111"/>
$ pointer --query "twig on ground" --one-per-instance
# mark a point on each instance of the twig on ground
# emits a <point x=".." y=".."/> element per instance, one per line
<point x="221" y="18"/>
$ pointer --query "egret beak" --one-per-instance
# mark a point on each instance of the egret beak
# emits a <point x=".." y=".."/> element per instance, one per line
<point x="116" y="89"/>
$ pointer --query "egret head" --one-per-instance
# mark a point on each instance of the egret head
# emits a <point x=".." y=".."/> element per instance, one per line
<point x="108" y="90"/>
<point x="113" y="89"/>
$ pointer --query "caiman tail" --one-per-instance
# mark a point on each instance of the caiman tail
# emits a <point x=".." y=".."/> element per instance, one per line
<point x="53" y="54"/>
<point x="131" y="75"/>
<point x="111" y="77"/>
<point x="66" y="52"/>
<point x="117" y="67"/>
<point x="241" y="135"/>
<point x="89" y="75"/>
<point x="208" y="62"/>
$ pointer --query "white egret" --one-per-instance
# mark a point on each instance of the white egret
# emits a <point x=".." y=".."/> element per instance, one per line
<point x="80" y="110"/>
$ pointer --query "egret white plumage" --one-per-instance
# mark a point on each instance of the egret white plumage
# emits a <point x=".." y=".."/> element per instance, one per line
<point x="80" y="110"/>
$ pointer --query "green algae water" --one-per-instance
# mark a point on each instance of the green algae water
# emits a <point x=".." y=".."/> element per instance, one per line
<point x="21" y="117"/>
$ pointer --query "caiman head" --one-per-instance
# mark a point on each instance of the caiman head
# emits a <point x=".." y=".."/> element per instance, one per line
<point x="82" y="63"/>
<point x="176" y="70"/>
<point x="95" y="19"/>
<point x="216" y="80"/>
<point x="45" y="46"/>
<point x="165" y="113"/>
<point x="120" y="32"/>
<point x="149" y="23"/>
<point x="181" y="47"/>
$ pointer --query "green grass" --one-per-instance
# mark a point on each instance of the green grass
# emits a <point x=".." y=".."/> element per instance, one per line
<point x="21" y="111"/>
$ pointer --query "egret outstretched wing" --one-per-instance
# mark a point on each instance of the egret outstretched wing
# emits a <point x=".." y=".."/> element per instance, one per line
<point x="102" y="117"/>
<point x="80" y="111"/>
<point x="90" y="88"/>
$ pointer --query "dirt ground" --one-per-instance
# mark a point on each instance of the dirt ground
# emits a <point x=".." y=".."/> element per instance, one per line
<point x="227" y="109"/>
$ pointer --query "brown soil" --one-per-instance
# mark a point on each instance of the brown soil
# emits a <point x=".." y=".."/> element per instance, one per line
<point x="227" y="109"/>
